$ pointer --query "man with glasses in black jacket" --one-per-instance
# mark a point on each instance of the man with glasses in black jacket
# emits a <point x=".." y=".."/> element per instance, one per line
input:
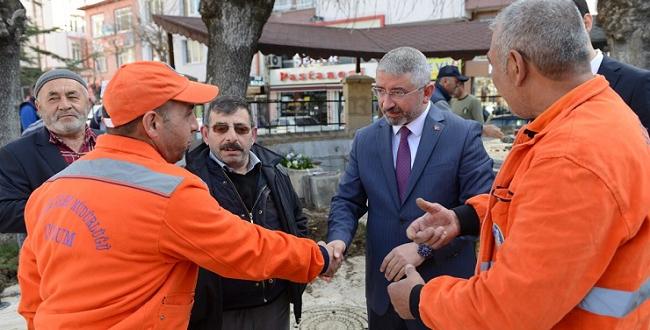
<point x="247" y="180"/>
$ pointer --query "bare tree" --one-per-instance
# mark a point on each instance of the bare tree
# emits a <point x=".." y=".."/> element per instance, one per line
<point x="154" y="36"/>
<point x="627" y="29"/>
<point x="12" y="27"/>
<point x="234" y="28"/>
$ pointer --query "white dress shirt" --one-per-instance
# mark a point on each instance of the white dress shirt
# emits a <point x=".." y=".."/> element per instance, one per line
<point x="416" y="127"/>
<point x="596" y="61"/>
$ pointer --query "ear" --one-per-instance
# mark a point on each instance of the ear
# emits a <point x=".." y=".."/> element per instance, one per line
<point x="204" y="133"/>
<point x="428" y="91"/>
<point x="589" y="22"/>
<point x="150" y="124"/>
<point x="516" y="67"/>
<point x="254" y="133"/>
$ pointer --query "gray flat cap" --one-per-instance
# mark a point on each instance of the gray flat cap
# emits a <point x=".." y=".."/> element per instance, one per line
<point x="57" y="74"/>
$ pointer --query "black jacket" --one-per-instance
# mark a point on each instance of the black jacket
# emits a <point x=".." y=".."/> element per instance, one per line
<point x="24" y="165"/>
<point x="631" y="83"/>
<point x="208" y="304"/>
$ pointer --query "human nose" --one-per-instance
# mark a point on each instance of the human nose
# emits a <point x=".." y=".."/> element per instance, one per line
<point x="386" y="101"/>
<point x="194" y="125"/>
<point x="64" y="103"/>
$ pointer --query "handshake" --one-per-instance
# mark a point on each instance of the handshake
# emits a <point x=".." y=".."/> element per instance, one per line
<point x="335" y="249"/>
<point x="437" y="227"/>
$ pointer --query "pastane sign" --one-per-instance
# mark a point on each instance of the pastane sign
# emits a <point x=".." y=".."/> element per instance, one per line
<point x="326" y="74"/>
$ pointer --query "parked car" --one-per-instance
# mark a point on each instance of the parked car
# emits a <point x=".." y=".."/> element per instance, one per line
<point x="295" y="124"/>
<point x="508" y="123"/>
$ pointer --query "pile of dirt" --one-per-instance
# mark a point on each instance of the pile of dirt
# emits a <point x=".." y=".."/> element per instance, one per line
<point x="318" y="231"/>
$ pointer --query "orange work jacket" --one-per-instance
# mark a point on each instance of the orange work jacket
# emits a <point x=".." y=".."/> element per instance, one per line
<point x="565" y="235"/>
<point x="114" y="241"/>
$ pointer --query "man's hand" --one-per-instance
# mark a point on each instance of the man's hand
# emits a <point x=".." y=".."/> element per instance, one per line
<point x="400" y="292"/>
<point x="394" y="263"/>
<point x="435" y="228"/>
<point x="492" y="131"/>
<point x="335" y="248"/>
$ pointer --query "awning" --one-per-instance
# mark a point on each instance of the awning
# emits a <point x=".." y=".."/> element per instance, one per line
<point x="435" y="39"/>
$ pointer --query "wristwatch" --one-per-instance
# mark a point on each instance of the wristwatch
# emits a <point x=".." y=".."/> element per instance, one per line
<point x="425" y="251"/>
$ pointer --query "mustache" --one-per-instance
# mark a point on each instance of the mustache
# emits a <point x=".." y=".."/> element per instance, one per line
<point x="231" y="145"/>
<point x="393" y="109"/>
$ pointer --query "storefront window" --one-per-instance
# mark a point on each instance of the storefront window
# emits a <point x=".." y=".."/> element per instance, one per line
<point x="484" y="89"/>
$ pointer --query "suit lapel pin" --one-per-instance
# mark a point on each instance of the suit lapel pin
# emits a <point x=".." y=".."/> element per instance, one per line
<point x="437" y="127"/>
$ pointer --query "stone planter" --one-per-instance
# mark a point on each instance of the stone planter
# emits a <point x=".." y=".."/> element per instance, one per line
<point x="320" y="189"/>
<point x="299" y="180"/>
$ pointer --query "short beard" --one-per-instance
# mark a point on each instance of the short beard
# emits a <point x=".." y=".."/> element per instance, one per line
<point x="66" y="129"/>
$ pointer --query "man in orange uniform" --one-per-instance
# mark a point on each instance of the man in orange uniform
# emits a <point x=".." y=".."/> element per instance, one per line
<point x="114" y="240"/>
<point x="565" y="235"/>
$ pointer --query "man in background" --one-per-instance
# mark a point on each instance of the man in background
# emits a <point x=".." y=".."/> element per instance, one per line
<point x="446" y="86"/>
<point x="28" y="112"/>
<point x="448" y="82"/>
<point x="466" y="105"/>
<point x="62" y="101"/>
<point x="630" y="82"/>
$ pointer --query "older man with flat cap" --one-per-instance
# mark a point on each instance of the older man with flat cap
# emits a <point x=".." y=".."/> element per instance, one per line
<point x="114" y="240"/>
<point x="62" y="101"/>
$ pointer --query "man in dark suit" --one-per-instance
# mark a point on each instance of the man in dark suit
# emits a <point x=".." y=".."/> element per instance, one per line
<point x="631" y="83"/>
<point x="417" y="150"/>
<point x="62" y="101"/>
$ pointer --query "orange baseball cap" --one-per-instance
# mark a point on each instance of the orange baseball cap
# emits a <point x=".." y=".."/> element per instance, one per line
<point x="144" y="86"/>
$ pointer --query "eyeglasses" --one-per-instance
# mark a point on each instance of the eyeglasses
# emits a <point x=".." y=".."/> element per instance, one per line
<point x="222" y="128"/>
<point x="394" y="93"/>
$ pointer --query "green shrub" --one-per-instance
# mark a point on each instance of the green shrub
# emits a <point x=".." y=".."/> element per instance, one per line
<point x="8" y="264"/>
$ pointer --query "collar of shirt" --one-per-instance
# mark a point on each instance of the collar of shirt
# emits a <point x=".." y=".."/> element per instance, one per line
<point x="67" y="153"/>
<point x="252" y="161"/>
<point x="416" y="127"/>
<point x="563" y="106"/>
<point x="89" y="138"/>
<point x="596" y="61"/>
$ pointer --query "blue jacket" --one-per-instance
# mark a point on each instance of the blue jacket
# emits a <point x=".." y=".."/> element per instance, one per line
<point x="450" y="166"/>
<point x="440" y="97"/>
<point x="28" y="114"/>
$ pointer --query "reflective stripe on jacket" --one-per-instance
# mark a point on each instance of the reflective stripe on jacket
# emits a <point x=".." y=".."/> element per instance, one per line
<point x="565" y="236"/>
<point x="114" y="239"/>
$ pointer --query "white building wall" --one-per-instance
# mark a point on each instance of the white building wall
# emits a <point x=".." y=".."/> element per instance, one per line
<point x="58" y="14"/>
<point x="169" y="7"/>
<point x="396" y="12"/>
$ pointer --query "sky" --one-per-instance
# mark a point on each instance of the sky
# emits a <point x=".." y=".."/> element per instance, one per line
<point x="592" y="6"/>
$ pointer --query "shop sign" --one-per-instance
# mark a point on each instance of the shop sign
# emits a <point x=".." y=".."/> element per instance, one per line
<point x="326" y="74"/>
<point x="437" y="63"/>
<point x="256" y="81"/>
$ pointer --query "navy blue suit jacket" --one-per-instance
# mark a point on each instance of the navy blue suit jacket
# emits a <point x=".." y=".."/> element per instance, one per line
<point x="631" y="83"/>
<point x="450" y="166"/>
<point x="24" y="165"/>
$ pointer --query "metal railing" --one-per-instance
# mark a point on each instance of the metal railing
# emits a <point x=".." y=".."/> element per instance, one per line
<point x="282" y="117"/>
